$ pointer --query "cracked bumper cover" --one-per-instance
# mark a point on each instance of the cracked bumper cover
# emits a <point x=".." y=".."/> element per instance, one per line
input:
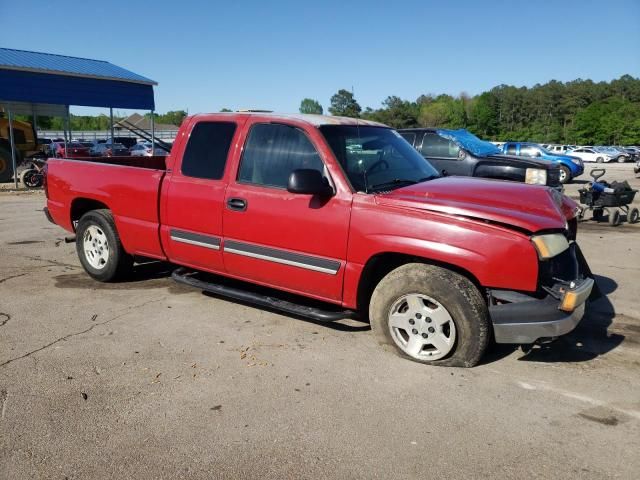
<point x="522" y="319"/>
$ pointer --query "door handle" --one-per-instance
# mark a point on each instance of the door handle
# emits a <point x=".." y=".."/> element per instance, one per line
<point x="237" y="204"/>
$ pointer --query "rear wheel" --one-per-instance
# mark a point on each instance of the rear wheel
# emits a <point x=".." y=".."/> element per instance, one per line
<point x="565" y="174"/>
<point x="634" y="214"/>
<point x="430" y="315"/>
<point x="621" y="159"/>
<point x="99" y="247"/>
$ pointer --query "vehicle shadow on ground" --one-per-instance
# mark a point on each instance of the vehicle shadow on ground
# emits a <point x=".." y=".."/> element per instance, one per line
<point x="591" y="337"/>
<point x="144" y="275"/>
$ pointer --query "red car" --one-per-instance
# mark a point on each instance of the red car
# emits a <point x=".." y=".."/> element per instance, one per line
<point x="342" y="211"/>
<point x="76" y="150"/>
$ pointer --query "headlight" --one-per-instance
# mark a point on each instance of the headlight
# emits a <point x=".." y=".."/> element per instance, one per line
<point x="550" y="245"/>
<point x="536" y="176"/>
<point x="576" y="161"/>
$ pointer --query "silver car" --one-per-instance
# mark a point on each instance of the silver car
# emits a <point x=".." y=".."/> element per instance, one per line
<point x="143" y="149"/>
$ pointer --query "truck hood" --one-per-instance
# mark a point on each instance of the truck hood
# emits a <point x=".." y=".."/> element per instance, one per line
<point x="525" y="207"/>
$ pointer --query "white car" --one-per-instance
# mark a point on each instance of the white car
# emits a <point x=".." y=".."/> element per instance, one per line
<point x="143" y="149"/>
<point x="587" y="154"/>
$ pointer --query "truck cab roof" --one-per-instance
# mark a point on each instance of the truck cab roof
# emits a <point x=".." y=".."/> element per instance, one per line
<point x="311" y="119"/>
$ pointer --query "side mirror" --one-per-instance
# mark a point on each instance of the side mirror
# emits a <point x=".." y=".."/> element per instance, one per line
<point x="310" y="182"/>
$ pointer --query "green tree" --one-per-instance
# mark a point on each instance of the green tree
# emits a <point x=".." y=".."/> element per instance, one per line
<point x="308" y="105"/>
<point x="226" y="110"/>
<point x="344" y="104"/>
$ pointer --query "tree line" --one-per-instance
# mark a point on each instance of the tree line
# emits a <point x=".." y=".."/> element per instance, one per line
<point x="576" y="112"/>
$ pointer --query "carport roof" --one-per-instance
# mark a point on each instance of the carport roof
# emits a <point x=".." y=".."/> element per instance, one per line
<point x="39" y="62"/>
<point x="45" y="78"/>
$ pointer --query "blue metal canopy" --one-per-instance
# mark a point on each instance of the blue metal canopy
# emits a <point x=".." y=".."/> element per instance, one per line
<point x="57" y="79"/>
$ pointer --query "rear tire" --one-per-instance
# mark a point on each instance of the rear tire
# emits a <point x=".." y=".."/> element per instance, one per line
<point x="621" y="159"/>
<point x="99" y="247"/>
<point x="634" y="214"/>
<point x="438" y="306"/>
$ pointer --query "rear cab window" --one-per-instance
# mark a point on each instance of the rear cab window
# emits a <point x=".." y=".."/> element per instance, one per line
<point x="207" y="150"/>
<point x="272" y="151"/>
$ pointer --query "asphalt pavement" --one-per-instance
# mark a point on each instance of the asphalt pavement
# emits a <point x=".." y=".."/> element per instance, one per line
<point x="149" y="379"/>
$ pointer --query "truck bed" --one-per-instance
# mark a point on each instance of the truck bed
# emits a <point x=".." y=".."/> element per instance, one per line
<point x="129" y="186"/>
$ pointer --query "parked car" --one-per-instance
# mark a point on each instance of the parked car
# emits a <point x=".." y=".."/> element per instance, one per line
<point x="617" y="154"/>
<point x="570" y="167"/>
<point x="109" y="150"/>
<point x="144" y="150"/>
<point x="459" y="152"/>
<point x="591" y="154"/>
<point x="634" y="152"/>
<point x="562" y="149"/>
<point x="344" y="212"/>
<point x="73" y="150"/>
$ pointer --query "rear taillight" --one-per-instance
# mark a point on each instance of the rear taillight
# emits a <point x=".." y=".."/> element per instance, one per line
<point x="45" y="185"/>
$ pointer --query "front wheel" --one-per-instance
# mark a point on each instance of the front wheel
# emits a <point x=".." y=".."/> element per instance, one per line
<point x="430" y="315"/>
<point x="565" y="174"/>
<point x="99" y="247"/>
<point x="621" y="159"/>
<point x="599" y="160"/>
<point x="633" y="215"/>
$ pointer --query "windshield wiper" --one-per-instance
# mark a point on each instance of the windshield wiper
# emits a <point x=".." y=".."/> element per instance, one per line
<point x="397" y="182"/>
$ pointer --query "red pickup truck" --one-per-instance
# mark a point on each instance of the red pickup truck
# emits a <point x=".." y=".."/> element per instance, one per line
<point x="341" y="211"/>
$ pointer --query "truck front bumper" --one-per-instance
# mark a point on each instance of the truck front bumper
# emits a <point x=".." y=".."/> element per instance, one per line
<point x="522" y="319"/>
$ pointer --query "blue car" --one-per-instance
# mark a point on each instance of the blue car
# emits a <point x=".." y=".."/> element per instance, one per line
<point x="570" y="167"/>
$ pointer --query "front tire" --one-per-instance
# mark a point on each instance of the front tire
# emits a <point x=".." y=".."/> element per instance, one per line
<point x="99" y="247"/>
<point x="599" y="160"/>
<point x="565" y="174"/>
<point x="430" y="315"/>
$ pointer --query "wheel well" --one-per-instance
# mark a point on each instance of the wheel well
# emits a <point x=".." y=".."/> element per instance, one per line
<point x="80" y="206"/>
<point x="379" y="265"/>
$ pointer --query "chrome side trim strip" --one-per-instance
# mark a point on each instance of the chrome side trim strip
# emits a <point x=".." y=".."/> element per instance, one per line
<point x="194" y="242"/>
<point x="307" y="262"/>
<point x="199" y="240"/>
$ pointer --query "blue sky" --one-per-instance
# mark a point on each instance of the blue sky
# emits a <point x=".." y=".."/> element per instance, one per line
<point x="206" y="55"/>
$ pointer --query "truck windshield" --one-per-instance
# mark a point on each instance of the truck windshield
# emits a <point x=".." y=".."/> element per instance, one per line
<point x="376" y="158"/>
<point x="470" y="142"/>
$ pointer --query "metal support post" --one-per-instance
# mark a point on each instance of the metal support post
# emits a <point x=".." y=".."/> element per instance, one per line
<point x="13" y="148"/>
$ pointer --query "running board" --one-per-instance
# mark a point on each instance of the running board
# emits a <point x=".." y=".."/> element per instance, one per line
<point x="182" y="275"/>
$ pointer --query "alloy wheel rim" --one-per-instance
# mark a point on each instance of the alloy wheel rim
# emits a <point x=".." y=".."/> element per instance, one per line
<point x="96" y="247"/>
<point x="421" y="327"/>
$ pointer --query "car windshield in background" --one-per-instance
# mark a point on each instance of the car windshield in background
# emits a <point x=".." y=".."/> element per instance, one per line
<point x="117" y="146"/>
<point x="376" y="158"/>
<point x="470" y="142"/>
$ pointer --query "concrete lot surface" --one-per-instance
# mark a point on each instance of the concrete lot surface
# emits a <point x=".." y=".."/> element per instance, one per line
<point x="148" y="379"/>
